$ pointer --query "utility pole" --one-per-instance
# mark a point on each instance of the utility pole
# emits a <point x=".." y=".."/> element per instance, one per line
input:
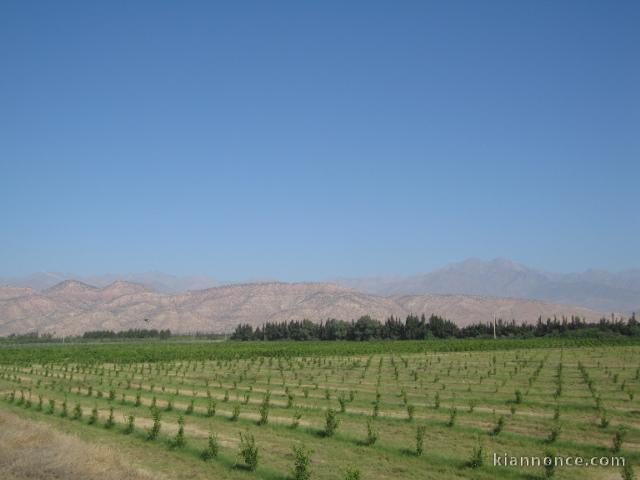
<point x="494" y="327"/>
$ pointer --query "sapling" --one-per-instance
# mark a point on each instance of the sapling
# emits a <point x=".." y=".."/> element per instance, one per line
<point x="421" y="430"/>
<point x="302" y="460"/>
<point x="452" y="417"/>
<point x="153" y="432"/>
<point x="410" y="412"/>
<point x="248" y="451"/>
<point x="331" y="422"/>
<point x="295" y="419"/>
<point x="211" y="450"/>
<point x="372" y="432"/>
<point x="110" y="419"/>
<point x="618" y="439"/>
<point x="130" y="419"/>
<point x="211" y="407"/>
<point x="627" y="472"/>
<point x="477" y="456"/>
<point x="179" y="440"/>
<point x="554" y="434"/>
<point x="264" y="411"/>
<point x="499" y="426"/>
<point x="93" y="418"/>
<point x="77" y="412"/>
<point x="352" y="473"/>
<point x="604" y="420"/>
<point x="235" y="413"/>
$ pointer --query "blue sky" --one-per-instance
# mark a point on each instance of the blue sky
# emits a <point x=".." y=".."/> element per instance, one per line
<point x="307" y="140"/>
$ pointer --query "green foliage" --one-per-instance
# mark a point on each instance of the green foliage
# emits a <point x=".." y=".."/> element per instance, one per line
<point x="77" y="412"/>
<point x="110" y="419"/>
<point x="477" y="456"/>
<point x="212" y="448"/>
<point x="130" y="424"/>
<point x="352" y="473"/>
<point x="331" y="422"/>
<point x="302" y="462"/>
<point x="211" y="407"/>
<point x="618" y="439"/>
<point x="93" y="418"/>
<point x="248" y="451"/>
<point x="154" y="431"/>
<point x="179" y="440"/>
<point x="421" y="430"/>
<point x="372" y="433"/>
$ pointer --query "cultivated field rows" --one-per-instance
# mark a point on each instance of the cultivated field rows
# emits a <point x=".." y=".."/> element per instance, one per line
<point x="521" y="402"/>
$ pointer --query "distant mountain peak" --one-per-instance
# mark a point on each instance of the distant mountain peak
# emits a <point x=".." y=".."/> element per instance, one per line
<point x="70" y="286"/>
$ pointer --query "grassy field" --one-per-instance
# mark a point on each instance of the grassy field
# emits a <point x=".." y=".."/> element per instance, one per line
<point x="348" y="408"/>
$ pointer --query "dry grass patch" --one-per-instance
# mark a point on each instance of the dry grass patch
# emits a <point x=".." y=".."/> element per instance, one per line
<point x="35" y="451"/>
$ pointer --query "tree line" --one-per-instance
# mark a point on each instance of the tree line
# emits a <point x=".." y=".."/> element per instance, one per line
<point x="131" y="333"/>
<point x="420" y="328"/>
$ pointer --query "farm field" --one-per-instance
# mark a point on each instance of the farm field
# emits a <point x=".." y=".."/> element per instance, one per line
<point x="387" y="410"/>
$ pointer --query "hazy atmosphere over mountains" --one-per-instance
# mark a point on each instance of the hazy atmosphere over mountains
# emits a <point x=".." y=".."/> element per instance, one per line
<point x="466" y="292"/>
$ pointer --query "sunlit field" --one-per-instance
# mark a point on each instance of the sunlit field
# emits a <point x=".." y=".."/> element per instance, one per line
<point x="414" y="413"/>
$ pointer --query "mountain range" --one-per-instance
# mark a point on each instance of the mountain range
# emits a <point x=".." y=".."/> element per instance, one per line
<point x="73" y="307"/>
<point x="595" y="289"/>
<point x="465" y="292"/>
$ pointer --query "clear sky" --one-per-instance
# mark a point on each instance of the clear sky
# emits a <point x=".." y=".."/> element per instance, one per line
<point x="307" y="140"/>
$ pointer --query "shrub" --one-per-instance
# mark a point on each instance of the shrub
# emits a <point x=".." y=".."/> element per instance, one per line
<point x="153" y="432"/>
<point x="343" y="403"/>
<point x="331" y="422"/>
<point x="420" y="433"/>
<point x="264" y="412"/>
<point x="554" y="434"/>
<point x="52" y="407"/>
<point x="618" y="439"/>
<point x="352" y="473"/>
<point x="93" y="418"/>
<point x="604" y="420"/>
<point x="110" y="420"/>
<point x="302" y="460"/>
<point x="179" y="440"/>
<point x="211" y="407"/>
<point x="518" y="395"/>
<point x="77" y="412"/>
<point x="452" y="417"/>
<point x="235" y="413"/>
<point x="130" y="419"/>
<point x="211" y="451"/>
<point x="372" y="432"/>
<point x="499" y="426"/>
<point x="477" y="457"/>
<point x="410" y="412"/>
<point x="295" y="419"/>
<point x="627" y="472"/>
<point x="190" y="407"/>
<point x="248" y="451"/>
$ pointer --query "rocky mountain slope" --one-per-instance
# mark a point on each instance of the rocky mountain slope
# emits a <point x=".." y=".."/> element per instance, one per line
<point x="73" y="307"/>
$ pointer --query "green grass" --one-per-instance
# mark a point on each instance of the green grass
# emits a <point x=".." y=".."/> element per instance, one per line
<point x="483" y="373"/>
